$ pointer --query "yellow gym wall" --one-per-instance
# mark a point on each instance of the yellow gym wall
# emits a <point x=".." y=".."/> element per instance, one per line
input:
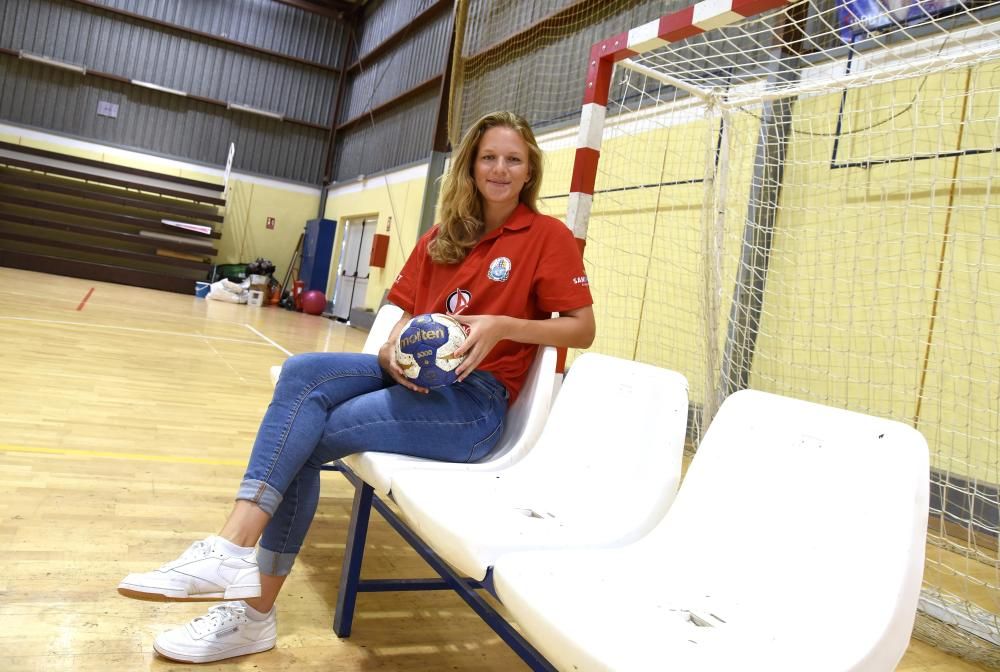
<point x="853" y="315"/>
<point x="852" y="298"/>
<point x="245" y="235"/>
<point x="962" y="385"/>
<point x="395" y="199"/>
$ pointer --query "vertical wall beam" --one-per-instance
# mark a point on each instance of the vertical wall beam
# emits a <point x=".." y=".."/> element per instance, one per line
<point x="758" y="230"/>
<point x="440" y="147"/>
<point x="331" y="139"/>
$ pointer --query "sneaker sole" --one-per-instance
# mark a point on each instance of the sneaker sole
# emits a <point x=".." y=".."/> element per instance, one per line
<point x="259" y="647"/>
<point x="153" y="595"/>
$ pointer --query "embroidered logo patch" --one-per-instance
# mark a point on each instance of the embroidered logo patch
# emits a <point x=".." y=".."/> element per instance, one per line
<point x="581" y="280"/>
<point x="458" y="301"/>
<point x="499" y="269"/>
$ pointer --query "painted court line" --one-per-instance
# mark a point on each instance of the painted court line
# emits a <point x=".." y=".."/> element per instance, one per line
<point x="268" y="339"/>
<point x="121" y="308"/>
<point x="225" y="361"/>
<point x="84" y="302"/>
<point x="143" y="331"/>
<point x="141" y="457"/>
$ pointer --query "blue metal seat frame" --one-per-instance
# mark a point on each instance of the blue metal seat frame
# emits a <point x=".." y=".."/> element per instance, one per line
<point x="351" y="583"/>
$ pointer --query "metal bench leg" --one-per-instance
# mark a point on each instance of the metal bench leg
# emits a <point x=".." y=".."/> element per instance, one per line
<point x="350" y="572"/>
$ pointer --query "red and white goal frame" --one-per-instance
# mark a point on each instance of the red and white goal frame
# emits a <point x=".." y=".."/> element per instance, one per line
<point x="698" y="18"/>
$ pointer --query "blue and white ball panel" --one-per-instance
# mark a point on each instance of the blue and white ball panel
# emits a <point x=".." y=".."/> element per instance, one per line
<point x="425" y="347"/>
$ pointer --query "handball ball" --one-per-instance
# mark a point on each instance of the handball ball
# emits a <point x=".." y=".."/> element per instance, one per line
<point x="425" y="346"/>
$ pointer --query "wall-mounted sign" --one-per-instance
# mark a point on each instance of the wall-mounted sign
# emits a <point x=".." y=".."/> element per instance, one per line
<point x="106" y="109"/>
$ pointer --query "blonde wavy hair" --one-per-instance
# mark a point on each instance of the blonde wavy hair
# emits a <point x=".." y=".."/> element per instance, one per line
<point x="461" y="210"/>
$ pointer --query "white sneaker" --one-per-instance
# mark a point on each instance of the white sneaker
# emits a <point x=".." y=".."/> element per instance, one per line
<point x="224" y="632"/>
<point x="204" y="572"/>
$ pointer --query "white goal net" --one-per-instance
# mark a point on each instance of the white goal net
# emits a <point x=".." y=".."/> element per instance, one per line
<point x="808" y="203"/>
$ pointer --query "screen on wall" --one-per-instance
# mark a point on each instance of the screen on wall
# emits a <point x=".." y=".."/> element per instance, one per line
<point x="859" y="18"/>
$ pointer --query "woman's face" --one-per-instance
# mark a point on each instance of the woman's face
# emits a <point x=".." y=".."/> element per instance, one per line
<point x="501" y="167"/>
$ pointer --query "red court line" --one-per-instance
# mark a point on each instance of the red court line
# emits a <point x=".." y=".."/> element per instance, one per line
<point x="84" y="302"/>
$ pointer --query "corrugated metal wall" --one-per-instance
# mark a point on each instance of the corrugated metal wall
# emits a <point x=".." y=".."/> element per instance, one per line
<point x="262" y="23"/>
<point x="65" y="102"/>
<point x="490" y="22"/>
<point x="383" y="18"/>
<point x="404" y="133"/>
<point x="415" y="60"/>
<point x="396" y="138"/>
<point x="163" y="123"/>
<point x="541" y="77"/>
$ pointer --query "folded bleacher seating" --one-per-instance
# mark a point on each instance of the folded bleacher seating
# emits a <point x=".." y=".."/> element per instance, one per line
<point x="92" y="219"/>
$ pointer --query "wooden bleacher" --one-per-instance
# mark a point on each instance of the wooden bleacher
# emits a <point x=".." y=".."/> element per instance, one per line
<point x="96" y="220"/>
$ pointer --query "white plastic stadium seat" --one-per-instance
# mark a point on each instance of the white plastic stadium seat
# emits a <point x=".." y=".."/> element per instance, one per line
<point x="796" y="543"/>
<point x="522" y="426"/>
<point x="376" y="471"/>
<point x="603" y="472"/>
<point x="385" y="319"/>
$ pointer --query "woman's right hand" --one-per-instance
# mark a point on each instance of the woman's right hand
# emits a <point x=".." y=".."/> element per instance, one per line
<point x="387" y="360"/>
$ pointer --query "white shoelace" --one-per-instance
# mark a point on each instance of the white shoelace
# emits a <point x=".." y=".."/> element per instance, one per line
<point x="217" y="618"/>
<point x="198" y="549"/>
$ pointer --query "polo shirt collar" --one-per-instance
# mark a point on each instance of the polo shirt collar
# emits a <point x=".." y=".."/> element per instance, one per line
<point x="521" y="218"/>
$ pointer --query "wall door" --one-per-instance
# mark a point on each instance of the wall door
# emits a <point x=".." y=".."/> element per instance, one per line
<point x="353" y="270"/>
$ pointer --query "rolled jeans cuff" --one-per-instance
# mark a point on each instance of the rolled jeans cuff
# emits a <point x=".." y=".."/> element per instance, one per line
<point x="261" y="494"/>
<point x="273" y="563"/>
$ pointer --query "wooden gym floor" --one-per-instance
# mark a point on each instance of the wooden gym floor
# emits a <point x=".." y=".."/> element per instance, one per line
<point x="126" y="418"/>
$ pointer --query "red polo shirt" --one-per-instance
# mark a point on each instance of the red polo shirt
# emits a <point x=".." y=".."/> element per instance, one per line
<point x="528" y="268"/>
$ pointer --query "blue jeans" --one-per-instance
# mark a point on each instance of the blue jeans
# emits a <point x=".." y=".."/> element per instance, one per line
<point x="329" y="405"/>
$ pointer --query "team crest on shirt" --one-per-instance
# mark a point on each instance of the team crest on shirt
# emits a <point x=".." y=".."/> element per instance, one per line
<point x="499" y="269"/>
<point x="458" y="301"/>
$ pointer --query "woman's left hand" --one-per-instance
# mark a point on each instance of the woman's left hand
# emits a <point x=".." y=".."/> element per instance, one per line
<point x="484" y="332"/>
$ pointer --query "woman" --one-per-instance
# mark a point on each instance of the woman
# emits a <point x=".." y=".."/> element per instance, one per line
<point x="497" y="266"/>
